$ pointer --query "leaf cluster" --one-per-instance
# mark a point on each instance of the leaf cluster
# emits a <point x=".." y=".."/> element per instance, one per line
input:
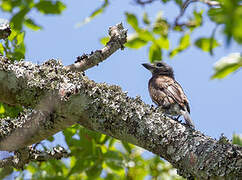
<point x="97" y="156"/>
<point x="19" y="10"/>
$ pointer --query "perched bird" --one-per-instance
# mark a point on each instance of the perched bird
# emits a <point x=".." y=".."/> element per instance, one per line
<point x="166" y="92"/>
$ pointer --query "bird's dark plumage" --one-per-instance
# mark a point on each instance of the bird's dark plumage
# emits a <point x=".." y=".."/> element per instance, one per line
<point x="166" y="92"/>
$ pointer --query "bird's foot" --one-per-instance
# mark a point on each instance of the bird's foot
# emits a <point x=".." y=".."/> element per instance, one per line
<point x="177" y="119"/>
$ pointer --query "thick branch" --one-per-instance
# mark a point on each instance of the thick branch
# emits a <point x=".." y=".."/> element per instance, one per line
<point x="28" y="154"/>
<point x="62" y="98"/>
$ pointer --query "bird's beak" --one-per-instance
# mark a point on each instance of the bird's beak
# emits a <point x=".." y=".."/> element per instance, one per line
<point x="148" y="66"/>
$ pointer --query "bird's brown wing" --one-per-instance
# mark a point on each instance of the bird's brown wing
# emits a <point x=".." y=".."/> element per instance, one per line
<point x="171" y="91"/>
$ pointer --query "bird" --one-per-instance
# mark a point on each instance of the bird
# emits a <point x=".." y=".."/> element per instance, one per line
<point x="167" y="93"/>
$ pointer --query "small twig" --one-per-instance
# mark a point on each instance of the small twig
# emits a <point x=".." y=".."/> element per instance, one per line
<point x="182" y="11"/>
<point x="140" y="2"/>
<point x="28" y="154"/>
<point x="186" y="4"/>
<point x="183" y="8"/>
<point x="118" y="37"/>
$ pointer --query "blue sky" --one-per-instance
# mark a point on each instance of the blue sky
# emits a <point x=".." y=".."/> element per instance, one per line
<point x="215" y="104"/>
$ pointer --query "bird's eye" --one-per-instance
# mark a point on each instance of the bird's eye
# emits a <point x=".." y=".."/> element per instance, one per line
<point x="159" y="64"/>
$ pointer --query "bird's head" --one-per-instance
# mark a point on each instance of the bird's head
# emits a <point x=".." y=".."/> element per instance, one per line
<point x="159" y="68"/>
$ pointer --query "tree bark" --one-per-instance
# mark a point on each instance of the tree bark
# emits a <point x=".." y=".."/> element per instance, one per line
<point x="56" y="97"/>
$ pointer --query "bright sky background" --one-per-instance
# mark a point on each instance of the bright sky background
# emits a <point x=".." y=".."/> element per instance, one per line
<point x="215" y="104"/>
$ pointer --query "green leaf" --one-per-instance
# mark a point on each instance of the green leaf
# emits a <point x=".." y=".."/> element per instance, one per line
<point x="56" y="166"/>
<point x="103" y="140"/>
<point x="111" y="143"/>
<point x="2" y="109"/>
<point x="95" y="13"/>
<point x="178" y="28"/>
<point x="50" y="7"/>
<point x="184" y="44"/>
<point x="127" y="147"/>
<point x="13" y="34"/>
<point x="196" y="21"/>
<point x="227" y="65"/>
<point x="32" y="25"/>
<point x="165" y="1"/>
<point x="6" y="6"/>
<point x="135" y="42"/>
<point x="90" y="135"/>
<point x="174" y="52"/>
<point x="146" y="19"/>
<point x="138" y="168"/>
<point x="237" y="139"/>
<point x="86" y="159"/>
<point x="9" y="5"/>
<point x="145" y="35"/>
<point x="20" y="38"/>
<point x="9" y="111"/>
<point x="94" y="171"/>
<point x="161" y="169"/>
<point x="114" y="176"/>
<point x="1" y="49"/>
<point x="51" y="138"/>
<point x="6" y="171"/>
<point x="179" y="2"/>
<point x="206" y="44"/>
<point x="69" y="132"/>
<point x="114" y="160"/>
<point x="19" y="49"/>
<point x="79" y="165"/>
<point x="235" y="28"/>
<point x="161" y="26"/>
<point x="104" y="40"/>
<point x="198" y="17"/>
<point x="163" y="43"/>
<point x="154" y="53"/>
<point x="216" y="15"/>
<point x="19" y="53"/>
<point x="32" y="168"/>
<point x="229" y="14"/>
<point x="18" y="18"/>
<point x="132" y="20"/>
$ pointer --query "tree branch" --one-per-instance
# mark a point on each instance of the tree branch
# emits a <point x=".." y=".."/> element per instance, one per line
<point x="66" y="98"/>
<point x="183" y="8"/>
<point x="186" y="4"/>
<point x="28" y="154"/>
<point x="59" y="97"/>
<point x="118" y="37"/>
<point x="145" y="2"/>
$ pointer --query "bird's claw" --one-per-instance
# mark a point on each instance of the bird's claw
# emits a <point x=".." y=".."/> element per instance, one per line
<point x="177" y="119"/>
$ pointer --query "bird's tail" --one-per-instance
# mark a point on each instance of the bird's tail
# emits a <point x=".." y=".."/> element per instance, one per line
<point x="188" y="119"/>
